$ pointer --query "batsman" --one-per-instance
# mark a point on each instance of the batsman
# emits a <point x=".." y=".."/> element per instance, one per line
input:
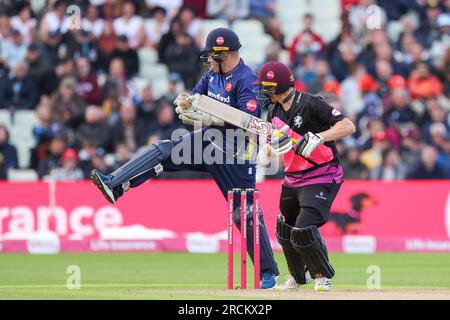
<point x="228" y="80"/>
<point x="313" y="173"/>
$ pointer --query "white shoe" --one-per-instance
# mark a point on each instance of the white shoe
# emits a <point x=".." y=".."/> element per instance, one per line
<point x="289" y="284"/>
<point x="322" y="284"/>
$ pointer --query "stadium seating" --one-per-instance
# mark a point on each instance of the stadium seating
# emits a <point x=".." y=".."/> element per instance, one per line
<point x="5" y="118"/>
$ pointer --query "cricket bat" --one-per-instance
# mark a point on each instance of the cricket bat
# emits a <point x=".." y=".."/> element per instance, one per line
<point x="235" y="116"/>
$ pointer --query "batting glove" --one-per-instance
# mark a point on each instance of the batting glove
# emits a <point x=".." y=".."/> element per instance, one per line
<point x="280" y="142"/>
<point x="183" y="102"/>
<point x="307" y="144"/>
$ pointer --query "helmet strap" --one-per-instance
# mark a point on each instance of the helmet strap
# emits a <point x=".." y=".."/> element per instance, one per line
<point x="289" y="96"/>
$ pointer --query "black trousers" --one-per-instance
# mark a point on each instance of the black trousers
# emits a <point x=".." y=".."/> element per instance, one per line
<point x="308" y="205"/>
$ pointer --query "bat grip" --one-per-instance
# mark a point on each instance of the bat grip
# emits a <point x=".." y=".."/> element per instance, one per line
<point x="279" y="134"/>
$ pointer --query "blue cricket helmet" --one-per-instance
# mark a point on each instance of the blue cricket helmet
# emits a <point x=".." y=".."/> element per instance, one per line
<point x="222" y="39"/>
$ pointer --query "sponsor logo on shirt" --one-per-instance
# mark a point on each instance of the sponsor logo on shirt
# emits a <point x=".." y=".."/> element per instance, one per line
<point x="336" y="112"/>
<point x="219" y="97"/>
<point x="251" y="105"/>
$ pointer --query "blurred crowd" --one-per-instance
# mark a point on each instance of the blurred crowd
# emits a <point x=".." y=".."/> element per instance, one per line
<point x="77" y="75"/>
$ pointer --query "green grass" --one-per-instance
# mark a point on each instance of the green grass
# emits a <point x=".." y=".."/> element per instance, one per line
<point x="141" y="276"/>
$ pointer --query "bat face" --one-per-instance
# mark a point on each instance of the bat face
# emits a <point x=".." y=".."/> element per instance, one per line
<point x="234" y="116"/>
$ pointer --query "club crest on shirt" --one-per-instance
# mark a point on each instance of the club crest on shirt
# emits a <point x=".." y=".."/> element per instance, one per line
<point x="298" y="120"/>
<point x="229" y="86"/>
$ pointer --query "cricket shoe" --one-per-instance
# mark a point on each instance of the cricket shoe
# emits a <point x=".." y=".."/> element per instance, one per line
<point x="322" y="284"/>
<point x="269" y="280"/>
<point x="102" y="181"/>
<point x="291" y="285"/>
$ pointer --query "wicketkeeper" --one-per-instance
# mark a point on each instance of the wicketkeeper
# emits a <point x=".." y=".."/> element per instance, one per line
<point x="313" y="173"/>
<point x="228" y="80"/>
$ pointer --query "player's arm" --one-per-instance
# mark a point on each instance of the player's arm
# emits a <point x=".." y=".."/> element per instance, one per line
<point x="340" y="130"/>
<point x="323" y="113"/>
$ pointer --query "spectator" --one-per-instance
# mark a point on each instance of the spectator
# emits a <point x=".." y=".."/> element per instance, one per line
<point x="156" y="27"/>
<point x="274" y="29"/>
<point x="182" y="57"/>
<point x="54" y="20"/>
<point x="346" y="62"/>
<point x="130" y="130"/>
<point x="428" y="29"/>
<point x="24" y="22"/>
<point x="117" y="81"/>
<point x="169" y="38"/>
<point x="306" y="72"/>
<point x="8" y="154"/>
<point x="305" y="42"/>
<point x="107" y="39"/>
<point x="5" y="26"/>
<point x="353" y="167"/>
<point x="190" y="24"/>
<point x="166" y="122"/>
<point x="54" y="49"/>
<point x="110" y="10"/>
<point x="41" y="70"/>
<point x="229" y="10"/>
<point x="351" y="95"/>
<point x="98" y="161"/>
<point x="13" y="50"/>
<point x="401" y="111"/>
<point x="43" y="133"/>
<point x="111" y="104"/>
<point x="122" y="155"/>
<point x="436" y="114"/>
<point x="175" y="86"/>
<point x="428" y="168"/>
<point x="92" y="23"/>
<point x="199" y="7"/>
<point x="373" y="157"/>
<point x="19" y="92"/>
<point x="128" y="55"/>
<point x="52" y="156"/>
<point x="147" y="106"/>
<point x="66" y="107"/>
<point x="391" y="169"/>
<point x="81" y="43"/>
<point x="68" y="170"/>
<point x="94" y="128"/>
<point x="130" y="25"/>
<point x="262" y="9"/>
<point x="87" y="150"/>
<point x="423" y="84"/>
<point x="86" y="86"/>
<point x="171" y="7"/>
<point x="442" y="41"/>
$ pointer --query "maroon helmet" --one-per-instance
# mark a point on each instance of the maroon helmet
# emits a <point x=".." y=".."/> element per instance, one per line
<point x="274" y="78"/>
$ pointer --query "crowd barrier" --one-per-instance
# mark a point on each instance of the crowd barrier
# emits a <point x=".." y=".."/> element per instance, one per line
<point x="191" y="216"/>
